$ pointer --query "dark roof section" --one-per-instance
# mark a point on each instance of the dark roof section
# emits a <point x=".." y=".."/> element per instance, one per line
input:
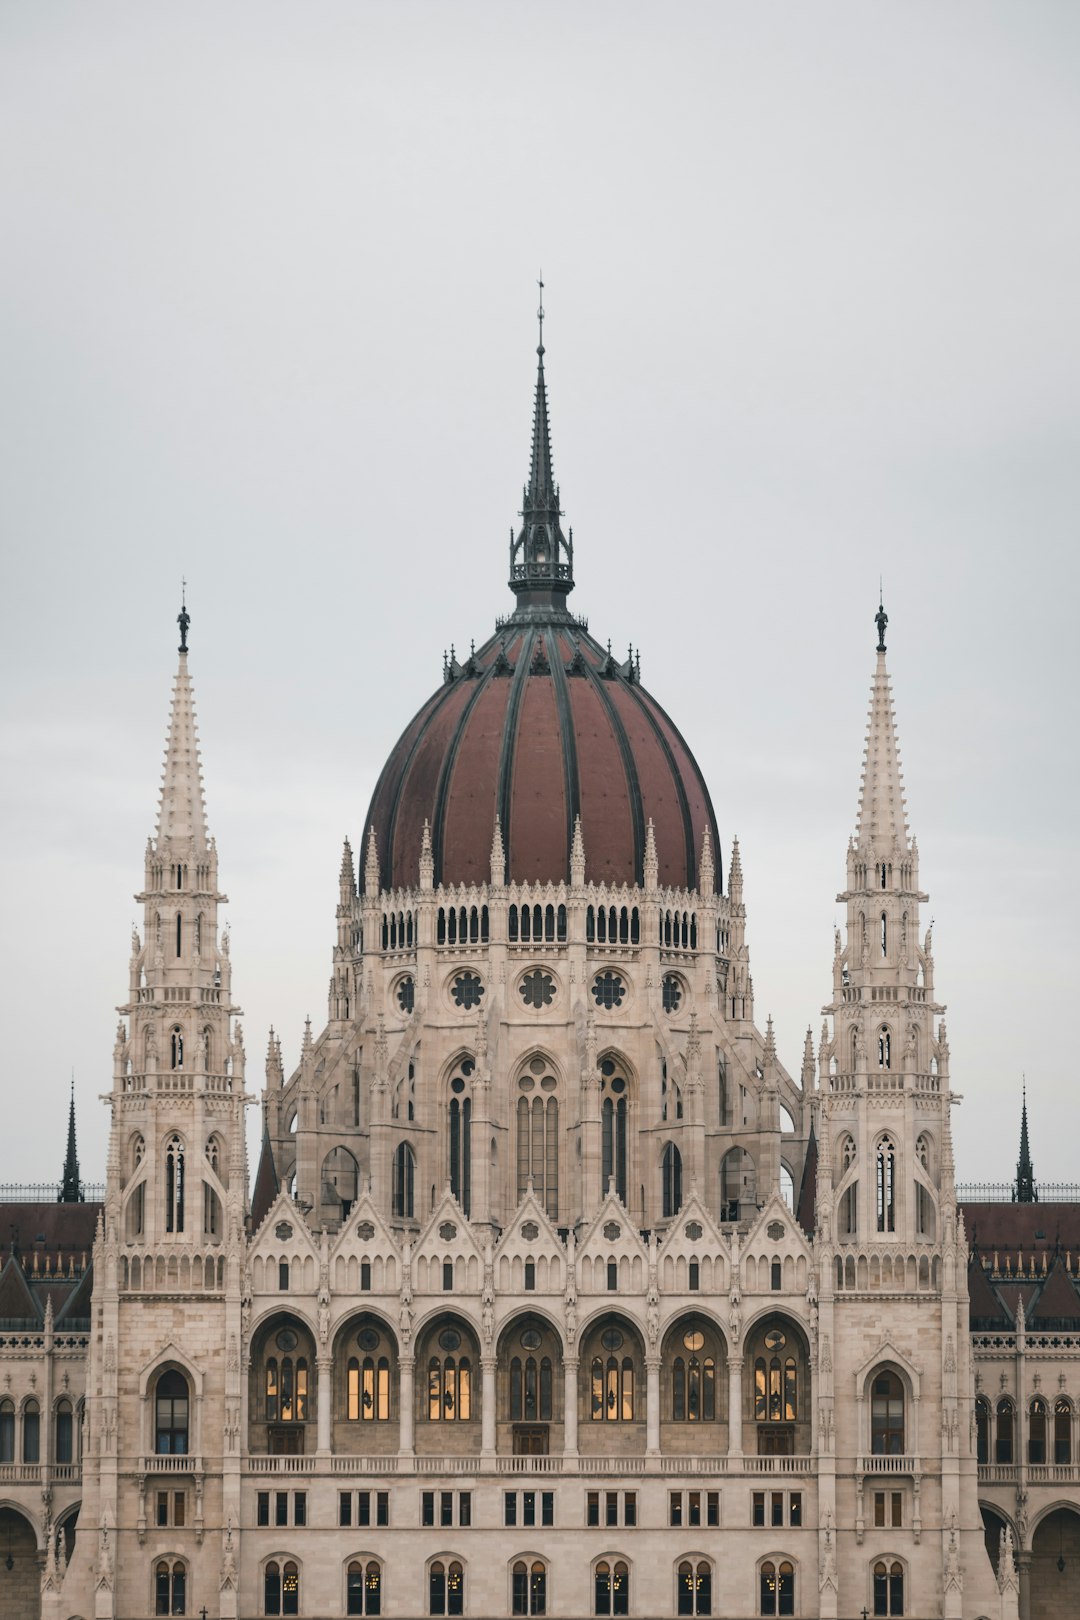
<point x="1058" y="1304"/>
<point x="540" y="726"/>
<point x="986" y="1310"/>
<point x="1028" y="1229"/>
<point x="17" y="1304"/>
<point x="267" y="1185"/>
<point x="806" y="1208"/>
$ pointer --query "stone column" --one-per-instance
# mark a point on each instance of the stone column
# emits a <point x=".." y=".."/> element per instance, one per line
<point x="487" y="1406"/>
<point x="1023" y="1559"/>
<point x="406" y="1404"/>
<point x="570" y="1406"/>
<point x="652" y="1406"/>
<point x="735" y="1407"/>
<point x="325" y="1405"/>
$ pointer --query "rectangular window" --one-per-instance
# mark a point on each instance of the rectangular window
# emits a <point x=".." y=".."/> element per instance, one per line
<point x="446" y="1508"/>
<point x="382" y="1507"/>
<point x="464" y="1507"/>
<point x="427" y="1508"/>
<point x="262" y="1508"/>
<point x="675" y="1509"/>
<point x="630" y="1508"/>
<point x="695" y="1276"/>
<point x="879" y="1509"/>
<point x="713" y="1507"/>
<point x="611" y="1508"/>
<point x="777" y="1507"/>
<point x="365" y="1276"/>
<point x="547" y="1507"/>
<point x="179" y="1506"/>
<point x="795" y="1508"/>
<point x="510" y="1508"/>
<point x="758" y="1515"/>
<point x="299" y="1507"/>
<point x="162" y="1507"/>
<point x="281" y="1508"/>
<point x="693" y="1508"/>
<point x="897" y="1509"/>
<point x="363" y="1508"/>
<point x="528" y="1508"/>
<point x="344" y="1507"/>
<point x="592" y="1508"/>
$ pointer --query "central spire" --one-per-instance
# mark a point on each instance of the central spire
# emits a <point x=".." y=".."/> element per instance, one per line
<point x="1026" y="1191"/>
<point x="182" y="812"/>
<point x="541" y="556"/>
<point x="882" y="814"/>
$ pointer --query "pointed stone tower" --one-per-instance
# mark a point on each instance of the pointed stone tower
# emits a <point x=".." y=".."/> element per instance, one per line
<point x="1026" y="1191"/>
<point x="893" y="1303"/>
<point x="71" y="1188"/>
<point x="171" y="1250"/>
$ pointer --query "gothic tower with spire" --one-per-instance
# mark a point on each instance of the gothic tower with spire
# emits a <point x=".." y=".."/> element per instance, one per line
<point x="164" y="1379"/>
<point x="891" y="1249"/>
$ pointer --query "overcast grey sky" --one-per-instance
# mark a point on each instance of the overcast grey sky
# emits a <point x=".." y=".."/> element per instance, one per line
<point x="267" y="301"/>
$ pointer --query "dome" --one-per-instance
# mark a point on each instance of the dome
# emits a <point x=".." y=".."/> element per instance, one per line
<point x="539" y="726"/>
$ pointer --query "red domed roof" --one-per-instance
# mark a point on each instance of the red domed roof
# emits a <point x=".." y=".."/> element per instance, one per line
<point x="538" y="727"/>
<point x="541" y="726"/>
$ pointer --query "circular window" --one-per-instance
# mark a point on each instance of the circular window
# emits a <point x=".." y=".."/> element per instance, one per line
<point x="537" y="1065"/>
<point x="531" y="1339"/>
<point x="618" y="1084"/>
<point x="447" y="1231"/>
<point x="608" y="990"/>
<point x="525" y="1083"/>
<point x="671" y="993"/>
<point x="548" y="1083"/>
<point x="367" y="1339"/>
<point x="537" y="989"/>
<point x="607" y="1067"/>
<point x="467" y="990"/>
<point x="449" y="1339"/>
<point x="694" y="1340"/>
<point x="406" y="995"/>
<point x="457" y="1084"/>
<point x="286" y="1339"/>
<point x="693" y="1230"/>
<point x="775" y="1340"/>
<point x="365" y="1231"/>
<point x="611" y="1339"/>
<point x="530" y="1231"/>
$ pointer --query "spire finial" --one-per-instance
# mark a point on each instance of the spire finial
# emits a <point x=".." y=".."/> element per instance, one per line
<point x="540" y="317"/>
<point x="183" y="618"/>
<point x="541" y="555"/>
<point x="1026" y="1190"/>
<point x="71" y="1191"/>
<point x="881" y="619"/>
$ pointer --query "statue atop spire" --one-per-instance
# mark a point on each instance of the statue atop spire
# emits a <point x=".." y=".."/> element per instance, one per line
<point x="1026" y="1192"/>
<point x="183" y="618"/>
<point x="71" y="1189"/>
<point x="541" y="555"/>
<point x="881" y="619"/>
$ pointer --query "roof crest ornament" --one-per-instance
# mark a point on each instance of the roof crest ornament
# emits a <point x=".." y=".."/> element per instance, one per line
<point x="183" y="618"/>
<point x="881" y="619"/>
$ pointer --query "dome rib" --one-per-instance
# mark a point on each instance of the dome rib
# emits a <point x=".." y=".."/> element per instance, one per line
<point x="438" y="818"/>
<point x="633" y="786"/>
<point x="569" y="740"/>
<point x="504" y="790"/>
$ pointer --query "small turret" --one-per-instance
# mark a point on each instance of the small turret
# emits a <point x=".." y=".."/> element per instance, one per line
<point x="498" y="857"/>
<point x="371" y="867"/>
<point x="577" y="857"/>
<point x="652" y="865"/>
<point x="427" y="859"/>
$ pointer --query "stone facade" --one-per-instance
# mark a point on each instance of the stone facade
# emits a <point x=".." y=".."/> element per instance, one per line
<point x="557" y="1292"/>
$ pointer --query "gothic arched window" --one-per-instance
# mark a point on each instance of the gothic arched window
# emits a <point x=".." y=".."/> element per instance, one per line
<point x="461" y="1134"/>
<point x="611" y="1588"/>
<point x="538" y="1135"/>
<point x="363" y="1588"/>
<point x="281" y="1588"/>
<point x="1003" y="1451"/>
<point x="31" y="1432"/>
<point x="176" y="1047"/>
<point x="888" y="1587"/>
<point x="286" y="1385"/>
<point x="7" y="1431"/>
<point x="884" y="1048"/>
<point x="887" y="1415"/>
<point x="404" y="1182"/>
<point x="611" y="1379"/>
<point x="982" y="1429"/>
<point x="65" y="1432"/>
<point x="450" y="1379"/>
<point x="446" y="1588"/>
<point x="174" y="1184"/>
<point x="777" y="1588"/>
<point x="172" y="1408"/>
<point x="694" y="1588"/>
<point x="528" y="1588"/>
<point x="614" y="1105"/>
<point x="170" y="1586"/>
<point x="886" y="1186"/>
<point x="1062" y="1431"/>
<point x="530" y="1389"/>
<point x="693" y="1379"/>
<point x="672" y="1179"/>
<point x="368" y="1389"/>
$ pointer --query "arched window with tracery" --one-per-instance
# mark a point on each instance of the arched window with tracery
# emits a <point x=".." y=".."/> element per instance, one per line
<point x="777" y="1588"/>
<point x="886" y="1185"/>
<point x="404" y="1189"/>
<point x="286" y="1379"/>
<point x="886" y="1415"/>
<point x="450" y="1378"/>
<point x="888" y="1587"/>
<point x="31" y="1432"/>
<point x="7" y="1431"/>
<point x="174" y="1184"/>
<point x="672" y="1180"/>
<point x="982" y="1429"/>
<point x="176" y="1047"/>
<point x="612" y="1376"/>
<point x="694" y="1587"/>
<point x="531" y="1389"/>
<point x="614" y="1110"/>
<point x="460" y="1133"/>
<point x="528" y="1587"/>
<point x="281" y="1587"/>
<point x="363" y="1587"/>
<point x="65" y="1432"/>
<point x="778" y="1394"/>
<point x="538" y="1135"/>
<point x="884" y="1047"/>
<point x="368" y="1389"/>
<point x="692" y="1357"/>
<point x="446" y="1588"/>
<point x="170" y="1586"/>
<point x="611" y="1587"/>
